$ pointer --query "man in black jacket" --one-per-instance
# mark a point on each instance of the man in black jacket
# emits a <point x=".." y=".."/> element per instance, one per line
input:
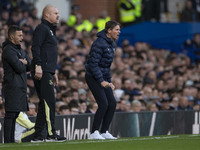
<point x="98" y="78"/>
<point x="15" y="64"/>
<point x="44" y="50"/>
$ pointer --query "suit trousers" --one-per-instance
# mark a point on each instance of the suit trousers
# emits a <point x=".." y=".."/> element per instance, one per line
<point x="46" y="106"/>
<point x="106" y="104"/>
<point x="9" y="126"/>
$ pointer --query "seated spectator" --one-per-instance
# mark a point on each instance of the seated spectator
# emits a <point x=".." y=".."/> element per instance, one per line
<point x="74" y="107"/>
<point x="64" y="110"/>
<point x="165" y="104"/>
<point x="66" y="97"/>
<point x="32" y="110"/>
<point x="174" y="102"/>
<point x="92" y="108"/>
<point x="191" y="102"/>
<point x="124" y="105"/>
<point x="136" y="106"/>
<point x="151" y="106"/>
<point x="58" y="105"/>
<point x="82" y="95"/>
<point x="143" y="105"/>
<point x="118" y="92"/>
<point x="82" y="106"/>
<point x="194" y="42"/>
<point x="183" y="103"/>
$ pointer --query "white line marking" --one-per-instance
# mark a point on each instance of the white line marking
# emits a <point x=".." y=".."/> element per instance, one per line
<point x="87" y="141"/>
<point x="152" y="124"/>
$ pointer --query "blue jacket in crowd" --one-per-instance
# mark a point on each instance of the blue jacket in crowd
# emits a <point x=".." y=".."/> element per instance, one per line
<point x="100" y="58"/>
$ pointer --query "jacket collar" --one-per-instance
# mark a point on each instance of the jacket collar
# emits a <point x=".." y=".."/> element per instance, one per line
<point x="103" y="35"/>
<point x="50" y="25"/>
<point x="8" y="42"/>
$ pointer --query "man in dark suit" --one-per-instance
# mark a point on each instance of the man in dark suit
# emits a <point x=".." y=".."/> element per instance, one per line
<point x="15" y="64"/>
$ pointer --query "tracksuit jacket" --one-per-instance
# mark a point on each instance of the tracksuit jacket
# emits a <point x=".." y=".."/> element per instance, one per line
<point x="44" y="47"/>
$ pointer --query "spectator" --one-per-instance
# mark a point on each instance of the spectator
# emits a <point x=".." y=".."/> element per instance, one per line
<point x="82" y="107"/>
<point x="193" y="43"/>
<point x="82" y="95"/>
<point x="191" y="102"/>
<point x="101" y="21"/>
<point x="64" y="110"/>
<point x="74" y="107"/>
<point x="92" y="108"/>
<point x="189" y="14"/>
<point x="123" y="105"/>
<point x="126" y="10"/>
<point x="183" y="103"/>
<point x="32" y="110"/>
<point x="136" y="106"/>
<point x="118" y="92"/>
<point x="58" y="105"/>
<point x="151" y="10"/>
<point x="151" y="106"/>
<point x="165" y="104"/>
<point x="174" y="102"/>
<point x="73" y="15"/>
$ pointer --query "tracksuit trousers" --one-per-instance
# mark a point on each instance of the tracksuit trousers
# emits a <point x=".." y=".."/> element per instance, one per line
<point x="106" y="104"/>
<point x="46" y="106"/>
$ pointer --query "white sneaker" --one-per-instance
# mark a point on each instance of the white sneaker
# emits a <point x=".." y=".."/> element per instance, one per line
<point x="96" y="136"/>
<point x="107" y="135"/>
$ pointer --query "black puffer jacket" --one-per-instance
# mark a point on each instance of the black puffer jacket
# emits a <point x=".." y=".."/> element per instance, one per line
<point x="15" y="84"/>
<point x="100" y="58"/>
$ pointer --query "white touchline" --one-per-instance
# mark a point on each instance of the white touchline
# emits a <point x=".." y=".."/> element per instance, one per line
<point x="90" y="141"/>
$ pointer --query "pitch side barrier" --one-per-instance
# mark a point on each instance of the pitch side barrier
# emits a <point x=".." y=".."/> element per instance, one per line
<point x="75" y="127"/>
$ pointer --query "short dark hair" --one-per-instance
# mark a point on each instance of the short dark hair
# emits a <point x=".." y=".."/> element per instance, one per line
<point x="63" y="107"/>
<point x="110" y="25"/>
<point x="12" y="29"/>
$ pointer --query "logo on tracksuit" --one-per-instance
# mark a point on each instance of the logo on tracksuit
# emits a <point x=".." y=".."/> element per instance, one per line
<point x="51" y="32"/>
<point x="50" y="82"/>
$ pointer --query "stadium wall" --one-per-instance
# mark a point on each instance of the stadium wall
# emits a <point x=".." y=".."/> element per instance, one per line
<point x="93" y="8"/>
<point x="76" y="127"/>
<point x="160" y="35"/>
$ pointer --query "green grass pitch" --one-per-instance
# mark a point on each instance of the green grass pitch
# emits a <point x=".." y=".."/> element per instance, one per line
<point x="171" y="142"/>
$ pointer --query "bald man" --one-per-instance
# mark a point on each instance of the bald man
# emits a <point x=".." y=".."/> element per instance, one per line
<point x="45" y="52"/>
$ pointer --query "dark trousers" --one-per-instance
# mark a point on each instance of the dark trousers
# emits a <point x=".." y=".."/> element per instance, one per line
<point x="46" y="105"/>
<point x="106" y="104"/>
<point x="9" y="126"/>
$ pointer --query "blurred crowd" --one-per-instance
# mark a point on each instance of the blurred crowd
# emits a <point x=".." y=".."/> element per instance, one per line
<point x="146" y="79"/>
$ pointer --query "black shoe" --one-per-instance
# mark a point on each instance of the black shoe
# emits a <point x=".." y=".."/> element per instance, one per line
<point x="37" y="139"/>
<point x="55" y="138"/>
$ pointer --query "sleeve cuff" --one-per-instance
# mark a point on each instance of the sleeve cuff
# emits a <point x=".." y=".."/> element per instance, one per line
<point x="100" y="80"/>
